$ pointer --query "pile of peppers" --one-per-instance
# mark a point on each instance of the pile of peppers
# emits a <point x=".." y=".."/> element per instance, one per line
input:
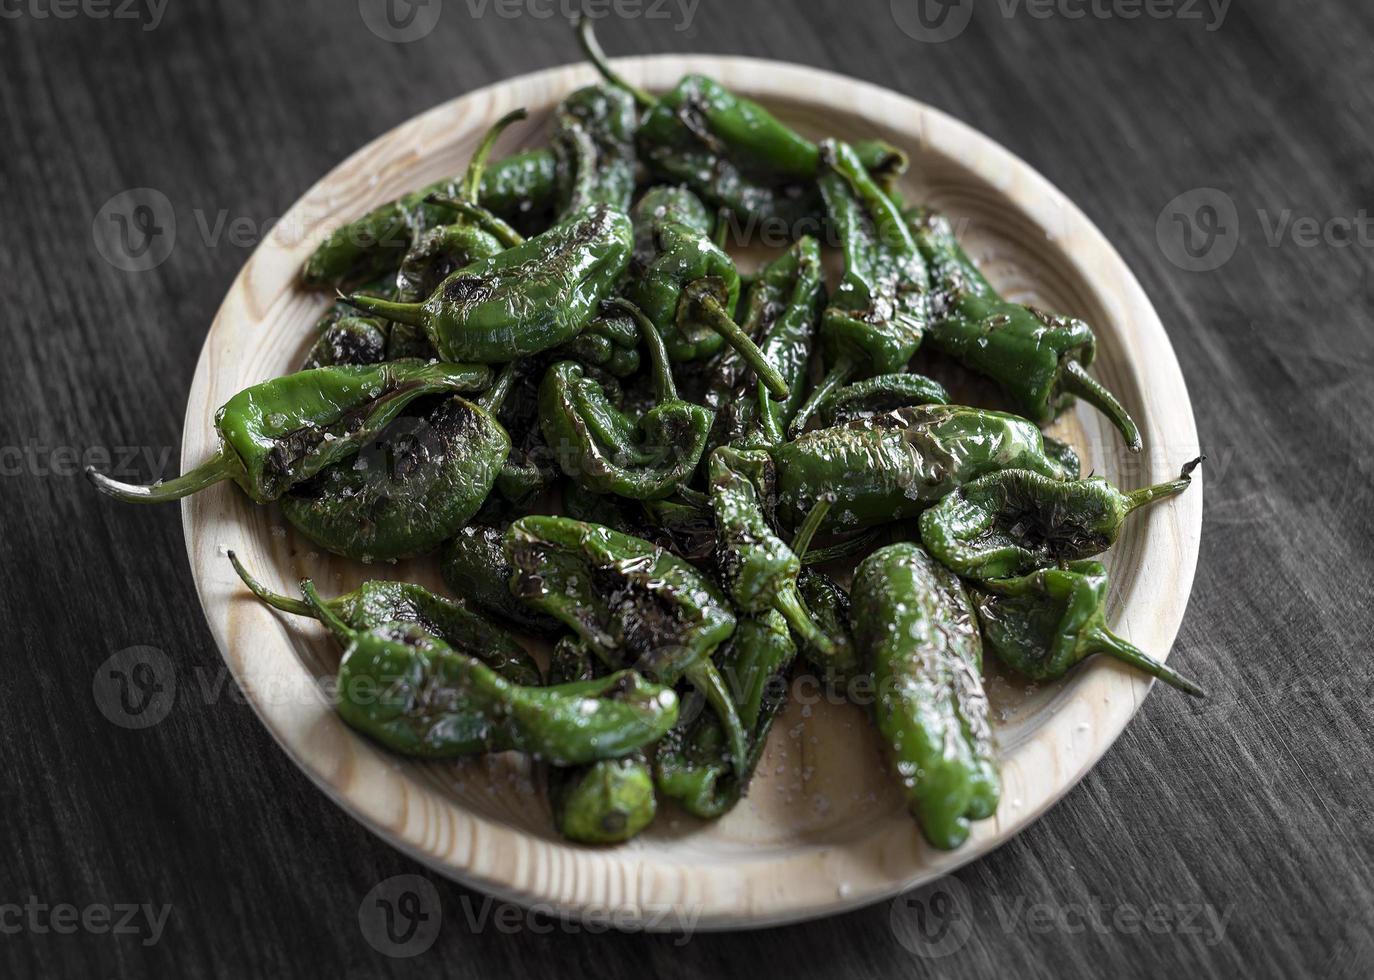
<point x="648" y="473"/>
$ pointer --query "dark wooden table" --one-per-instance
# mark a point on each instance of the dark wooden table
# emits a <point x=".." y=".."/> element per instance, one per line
<point x="1221" y="836"/>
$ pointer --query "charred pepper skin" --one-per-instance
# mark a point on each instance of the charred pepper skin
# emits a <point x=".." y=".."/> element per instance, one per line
<point x="474" y="566"/>
<point x="377" y="603"/>
<point x="915" y="626"/>
<point x="692" y="764"/>
<point x="878" y="395"/>
<point x="892" y="467"/>
<point x="606" y="802"/>
<point x="1015" y="521"/>
<point x="407" y="492"/>
<point x="631" y="602"/>
<point x="1038" y="358"/>
<point x="1044" y="623"/>
<point x="594" y="145"/>
<point x="282" y="432"/>
<point x="525" y="299"/>
<point x="606" y="451"/>
<point x="418" y="696"/>
<point x="877" y="315"/>
<point x="782" y="310"/>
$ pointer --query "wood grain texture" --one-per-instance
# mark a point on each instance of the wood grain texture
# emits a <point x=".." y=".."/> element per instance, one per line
<point x="1256" y="803"/>
<point x="825" y="830"/>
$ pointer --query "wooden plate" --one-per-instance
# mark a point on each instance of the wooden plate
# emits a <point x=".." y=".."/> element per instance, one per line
<point x="822" y="828"/>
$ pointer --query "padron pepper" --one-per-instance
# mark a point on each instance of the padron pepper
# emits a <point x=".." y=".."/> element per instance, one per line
<point x="1042" y="624"/>
<point x="878" y="395"/>
<point x="877" y="315"/>
<point x="343" y="337"/>
<point x="594" y="142"/>
<point x="417" y="695"/>
<point x="687" y="284"/>
<point x="693" y="763"/>
<point x="782" y="307"/>
<point x="915" y="627"/>
<point x="279" y="433"/>
<point x="376" y="603"/>
<point x="632" y="602"/>
<point x="522" y="187"/>
<point x="731" y="151"/>
<point x="891" y="467"/>
<point x="607" y="451"/>
<point x="759" y="569"/>
<point x="610" y="342"/>
<point x="1040" y="359"/>
<point x="525" y="299"/>
<point x="405" y="493"/>
<point x="1015" y="521"/>
<point x="605" y="802"/>
<point x="474" y="566"/>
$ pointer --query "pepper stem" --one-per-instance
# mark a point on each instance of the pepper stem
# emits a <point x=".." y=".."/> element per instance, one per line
<point x="665" y="388"/>
<point x="788" y="602"/>
<point x="498" y="228"/>
<point x="706" y="678"/>
<point x="586" y="36"/>
<point x="801" y="543"/>
<point x="472" y="179"/>
<point x="494" y="397"/>
<point x="411" y="314"/>
<point x="715" y="317"/>
<point x="1102" y="640"/>
<point x="837" y="376"/>
<point x="1076" y="380"/>
<point x="275" y="599"/>
<point x="321" y="611"/>
<point x="768" y="422"/>
<point x="220" y="466"/>
<point x="1161" y="491"/>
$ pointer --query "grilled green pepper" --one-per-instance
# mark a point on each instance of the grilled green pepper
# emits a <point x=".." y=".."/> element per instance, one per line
<point x="522" y="187"/>
<point x="828" y="606"/>
<point x="915" y="627"/>
<point x="687" y="284"/>
<point x="630" y="601"/>
<point x="605" y="802"/>
<point x="1039" y="359"/>
<point x="877" y="315"/>
<point x="343" y="337"/>
<point x="525" y="299"/>
<point x="281" y="432"/>
<point x="605" y="450"/>
<point x="1044" y="623"/>
<point x="892" y="467"/>
<point x="594" y="144"/>
<point x="782" y="308"/>
<point x="610" y="342"/>
<point x="377" y="603"/>
<point x="880" y="394"/>
<point x="759" y="569"/>
<point x="474" y="566"/>
<point x="418" y="696"/>
<point x="1016" y="521"/>
<point x="693" y="764"/>
<point x="411" y="489"/>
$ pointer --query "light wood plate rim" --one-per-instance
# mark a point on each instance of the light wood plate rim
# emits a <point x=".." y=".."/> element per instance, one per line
<point x="769" y="890"/>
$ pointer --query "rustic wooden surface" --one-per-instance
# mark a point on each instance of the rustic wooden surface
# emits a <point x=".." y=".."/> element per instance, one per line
<point x="1225" y="835"/>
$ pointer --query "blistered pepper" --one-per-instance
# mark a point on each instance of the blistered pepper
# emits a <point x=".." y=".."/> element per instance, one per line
<point x="1040" y="359"/>
<point x="417" y="695"/>
<point x="376" y="603"/>
<point x="474" y="566"/>
<point x="525" y="299"/>
<point x="404" y="494"/>
<point x="892" y="467"/>
<point x="633" y="603"/>
<point x="1016" y="521"/>
<point x="594" y="144"/>
<point x="782" y="308"/>
<point x="279" y="433"/>
<point x="1044" y="623"/>
<point x="877" y="315"/>
<point x="878" y="395"/>
<point x="607" y="451"/>
<point x="914" y="625"/>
